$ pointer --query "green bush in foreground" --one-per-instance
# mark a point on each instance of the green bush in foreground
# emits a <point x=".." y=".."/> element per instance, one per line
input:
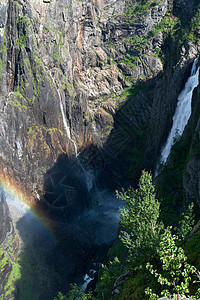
<point x="176" y="275"/>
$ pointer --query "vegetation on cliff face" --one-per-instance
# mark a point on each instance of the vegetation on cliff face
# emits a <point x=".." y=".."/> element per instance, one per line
<point x="9" y="265"/>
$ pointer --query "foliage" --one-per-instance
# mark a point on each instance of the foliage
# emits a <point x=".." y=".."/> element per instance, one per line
<point x="176" y="274"/>
<point x="22" y="25"/>
<point x="134" y="287"/>
<point x="9" y="265"/>
<point x="138" y="8"/>
<point x="17" y="100"/>
<point x="194" y="27"/>
<point x="117" y="249"/>
<point x="186" y="223"/>
<point x="141" y="229"/>
<point x="192" y="249"/>
<point x="107" y="277"/>
<point x="170" y="183"/>
<point x="75" y="294"/>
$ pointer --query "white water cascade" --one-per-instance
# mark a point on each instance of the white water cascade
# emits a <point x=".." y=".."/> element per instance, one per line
<point x="64" y="117"/>
<point x="66" y="125"/>
<point x="182" y="113"/>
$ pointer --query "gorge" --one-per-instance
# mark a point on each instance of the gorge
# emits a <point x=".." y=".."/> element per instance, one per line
<point x="88" y="91"/>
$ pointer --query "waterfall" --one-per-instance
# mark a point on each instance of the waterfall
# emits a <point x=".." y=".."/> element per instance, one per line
<point x="64" y="118"/>
<point x="66" y="125"/>
<point x="182" y="113"/>
<point x="89" y="176"/>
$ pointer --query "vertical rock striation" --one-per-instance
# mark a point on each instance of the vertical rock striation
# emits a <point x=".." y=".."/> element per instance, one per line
<point x="100" y="59"/>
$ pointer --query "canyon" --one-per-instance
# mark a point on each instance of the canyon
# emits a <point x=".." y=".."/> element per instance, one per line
<point x="88" y="90"/>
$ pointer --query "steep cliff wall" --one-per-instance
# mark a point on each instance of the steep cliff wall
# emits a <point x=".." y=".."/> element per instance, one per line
<point x="82" y="55"/>
<point x="107" y="65"/>
<point x="99" y="76"/>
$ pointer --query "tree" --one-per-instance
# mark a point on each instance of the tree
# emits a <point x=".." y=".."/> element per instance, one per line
<point x="107" y="277"/>
<point x="139" y="219"/>
<point x="185" y="224"/>
<point x="76" y="293"/>
<point x="175" y="275"/>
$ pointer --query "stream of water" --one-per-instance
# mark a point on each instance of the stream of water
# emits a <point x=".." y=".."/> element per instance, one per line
<point x="182" y="113"/>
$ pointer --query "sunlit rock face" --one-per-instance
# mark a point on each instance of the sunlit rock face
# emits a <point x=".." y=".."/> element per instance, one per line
<point x="52" y="53"/>
<point x="78" y="56"/>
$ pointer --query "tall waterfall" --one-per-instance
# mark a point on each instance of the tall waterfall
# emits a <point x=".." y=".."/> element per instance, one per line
<point x="64" y="117"/>
<point x="182" y="113"/>
<point x="66" y="125"/>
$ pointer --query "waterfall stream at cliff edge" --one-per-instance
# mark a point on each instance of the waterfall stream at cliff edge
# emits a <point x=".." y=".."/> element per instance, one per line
<point x="182" y="113"/>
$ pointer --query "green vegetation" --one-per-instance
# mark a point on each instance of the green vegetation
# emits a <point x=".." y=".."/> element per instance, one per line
<point x="75" y="293"/>
<point x="194" y="32"/>
<point x="170" y="184"/>
<point x="37" y="133"/>
<point x="8" y="261"/>
<point x="58" y="46"/>
<point x="176" y="275"/>
<point x="18" y="101"/>
<point x="143" y="237"/>
<point x="135" y="44"/>
<point x="107" y="278"/>
<point x="139" y="218"/>
<point x="192" y="249"/>
<point x="23" y="32"/>
<point x="135" y="9"/>
<point x="2" y="53"/>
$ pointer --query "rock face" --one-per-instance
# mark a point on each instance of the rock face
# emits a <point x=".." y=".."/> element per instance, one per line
<point x="87" y="77"/>
<point x="72" y="57"/>
<point x="82" y="76"/>
<point x="8" y="251"/>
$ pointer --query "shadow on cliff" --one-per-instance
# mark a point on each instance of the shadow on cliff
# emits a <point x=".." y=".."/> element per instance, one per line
<point x="123" y="155"/>
<point x="141" y="126"/>
<point x="81" y="230"/>
<point x="54" y="252"/>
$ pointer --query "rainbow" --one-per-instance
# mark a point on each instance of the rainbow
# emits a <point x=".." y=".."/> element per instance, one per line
<point x="13" y="190"/>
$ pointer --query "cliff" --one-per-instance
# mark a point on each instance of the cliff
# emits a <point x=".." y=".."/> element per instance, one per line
<point x="89" y="57"/>
<point x="74" y="56"/>
<point x="9" y="243"/>
<point x="95" y="78"/>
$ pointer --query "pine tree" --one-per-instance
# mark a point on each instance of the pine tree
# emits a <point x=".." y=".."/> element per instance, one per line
<point x="139" y="219"/>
